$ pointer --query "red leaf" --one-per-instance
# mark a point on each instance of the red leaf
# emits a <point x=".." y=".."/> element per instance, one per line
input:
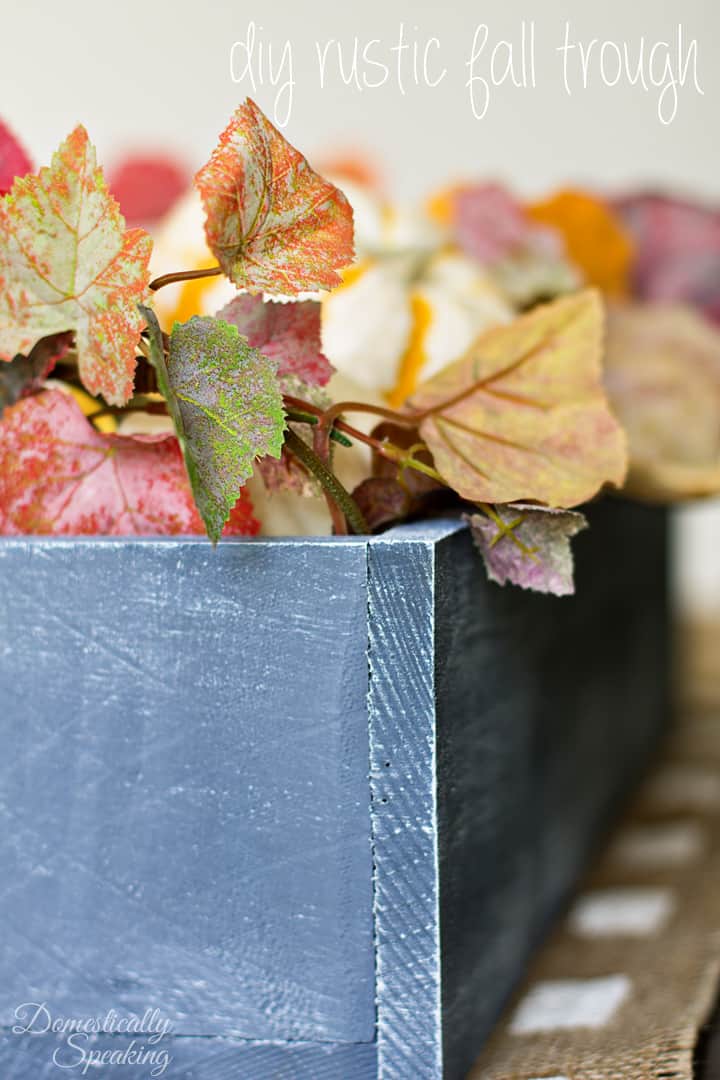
<point x="25" y="375"/>
<point x="382" y="501"/>
<point x="147" y="186"/>
<point x="13" y="159"/>
<point x="288" y="333"/>
<point x="58" y="475"/>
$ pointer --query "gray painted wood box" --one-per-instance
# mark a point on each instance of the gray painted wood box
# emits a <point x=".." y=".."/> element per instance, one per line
<point x="313" y="800"/>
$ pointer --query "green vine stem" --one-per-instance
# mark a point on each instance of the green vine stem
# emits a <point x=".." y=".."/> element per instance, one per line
<point x="330" y="483"/>
<point x="321" y="449"/>
<point x="301" y="416"/>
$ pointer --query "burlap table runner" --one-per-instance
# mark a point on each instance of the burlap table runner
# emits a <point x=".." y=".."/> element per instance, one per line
<point x="624" y="984"/>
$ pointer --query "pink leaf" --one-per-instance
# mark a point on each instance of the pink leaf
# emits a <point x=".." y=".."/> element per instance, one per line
<point x="490" y="222"/>
<point x="25" y="374"/>
<point x="147" y="186"/>
<point x="58" y="475"/>
<point x="13" y="159"/>
<point x="288" y="333"/>
<point x="286" y="474"/>
<point x="528" y="545"/>
<point x="678" y="250"/>
<point x="491" y="225"/>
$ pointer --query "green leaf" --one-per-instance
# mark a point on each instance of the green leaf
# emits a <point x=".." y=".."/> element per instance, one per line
<point x="226" y="405"/>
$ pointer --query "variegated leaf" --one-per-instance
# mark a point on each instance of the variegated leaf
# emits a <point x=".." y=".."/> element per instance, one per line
<point x="226" y="405"/>
<point x="58" y="475"/>
<point x="289" y="333"/>
<point x="273" y="224"/>
<point x="528" y="546"/>
<point x="67" y="263"/>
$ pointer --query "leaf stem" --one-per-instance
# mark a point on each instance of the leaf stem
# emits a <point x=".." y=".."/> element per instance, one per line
<point x="183" y="275"/>
<point x="331" y="485"/>
<point x="301" y="416"/>
<point x="329" y="416"/>
<point x="140" y="403"/>
<point x="388" y="450"/>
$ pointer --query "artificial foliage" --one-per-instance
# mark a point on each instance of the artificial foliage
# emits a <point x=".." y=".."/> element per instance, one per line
<point x="68" y="263"/>
<point x="273" y="224"/>
<point x="554" y="379"/>
<point x="225" y="401"/>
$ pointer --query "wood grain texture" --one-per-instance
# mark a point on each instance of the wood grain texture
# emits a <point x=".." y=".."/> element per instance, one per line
<point x="401" y="707"/>
<point x="183" y="786"/>
<point x="314" y="800"/>
<point x="31" y="1058"/>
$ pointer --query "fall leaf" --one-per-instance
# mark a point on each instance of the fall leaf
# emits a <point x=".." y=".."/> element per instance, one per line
<point x="225" y="401"/>
<point x="67" y="263"/>
<point x="489" y="223"/>
<point x="395" y="491"/>
<point x="147" y="186"/>
<point x="523" y="415"/>
<point x="13" y="159"/>
<point x="595" y="238"/>
<point x="272" y="222"/>
<point x="662" y="372"/>
<point x="382" y="500"/>
<point x="526" y="260"/>
<point x="287" y="473"/>
<point x="58" y="475"/>
<point x="678" y="250"/>
<point x="24" y="374"/>
<point x="288" y="333"/>
<point x="528" y="545"/>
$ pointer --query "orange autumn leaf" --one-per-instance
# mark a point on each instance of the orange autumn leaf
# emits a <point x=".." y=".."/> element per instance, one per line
<point x="67" y="263"/>
<point x="523" y="414"/>
<point x="354" y="166"/>
<point x="595" y="238"/>
<point x="273" y="223"/>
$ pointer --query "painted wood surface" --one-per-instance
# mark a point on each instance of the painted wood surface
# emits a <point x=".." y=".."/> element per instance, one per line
<point x="183" y="785"/>
<point x="402" y="712"/>
<point x="192" y="1058"/>
<point x="548" y="710"/>
<point x="315" y="800"/>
